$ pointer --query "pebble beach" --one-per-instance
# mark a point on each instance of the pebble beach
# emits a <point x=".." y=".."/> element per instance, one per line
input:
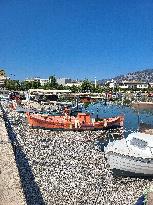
<point x="66" y="167"/>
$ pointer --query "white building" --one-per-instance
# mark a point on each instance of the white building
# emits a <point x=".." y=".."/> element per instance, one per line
<point x="63" y="81"/>
<point x="2" y="80"/>
<point x="43" y="81"/>
<point x="38" y="79"/>
<point x="133" y="85"/>
<point x="35" y="79"/>
<point x="111" y="84"/>
<point x="77" y="84"/>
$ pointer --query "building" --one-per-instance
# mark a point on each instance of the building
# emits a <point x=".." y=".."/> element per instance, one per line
<point x="2" y="81"/>
<point x="63" y="81"/>
<point x="111" y="84"/>
<point x="43" y="81"/>
<point x="3" y="77"/>
<point x="133" y="85"/>
<point x="38" y="79"/>
<point x="74" y="83"/>
<point x="35" y="79"/>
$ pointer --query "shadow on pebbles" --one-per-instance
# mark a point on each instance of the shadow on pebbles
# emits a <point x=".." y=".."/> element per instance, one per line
<point x="60" y="168"/>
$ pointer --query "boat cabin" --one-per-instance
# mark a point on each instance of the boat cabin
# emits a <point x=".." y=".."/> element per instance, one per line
<point x="138" y="143"/>
<point x="84" y="118"/>
<point x="139" y="139"/>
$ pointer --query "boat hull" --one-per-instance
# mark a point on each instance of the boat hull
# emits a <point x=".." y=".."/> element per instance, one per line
<point x="68" y="123"/>
<point x="129" y="165"/>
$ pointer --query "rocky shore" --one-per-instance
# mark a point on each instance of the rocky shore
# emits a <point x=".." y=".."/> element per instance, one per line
<point x="62" y="168"/>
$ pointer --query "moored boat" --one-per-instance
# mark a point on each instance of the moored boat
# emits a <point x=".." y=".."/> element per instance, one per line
<point x="81" y="122"/>
<point x="131" y="156"/>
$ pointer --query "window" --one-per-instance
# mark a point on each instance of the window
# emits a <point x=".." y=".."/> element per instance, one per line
<point x="138" y="143"/>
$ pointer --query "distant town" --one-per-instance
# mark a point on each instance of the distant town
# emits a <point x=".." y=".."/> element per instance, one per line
<point x="138" y="81"/>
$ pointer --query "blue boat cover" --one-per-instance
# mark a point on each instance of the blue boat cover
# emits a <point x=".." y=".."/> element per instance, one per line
<point x="141" y="200"/>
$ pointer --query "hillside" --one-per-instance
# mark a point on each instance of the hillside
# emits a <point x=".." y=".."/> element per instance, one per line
<point x="144" y="76"/>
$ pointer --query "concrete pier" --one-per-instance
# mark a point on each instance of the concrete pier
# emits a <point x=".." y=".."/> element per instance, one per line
<point x="10" y="187"/>
<point x="150" y="198"/>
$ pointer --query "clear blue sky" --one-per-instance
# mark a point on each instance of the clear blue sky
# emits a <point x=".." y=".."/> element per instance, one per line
<point x="75" y="38"/>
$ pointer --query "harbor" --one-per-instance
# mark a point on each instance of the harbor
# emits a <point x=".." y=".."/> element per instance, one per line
<point x="76" y="102"/>
<point x="67" y="167"/>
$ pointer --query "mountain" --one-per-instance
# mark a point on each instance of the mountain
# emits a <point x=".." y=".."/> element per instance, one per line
<point x="143" y="76"/>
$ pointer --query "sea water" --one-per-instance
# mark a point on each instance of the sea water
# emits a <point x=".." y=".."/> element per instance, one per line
<point x="132" y="118"/>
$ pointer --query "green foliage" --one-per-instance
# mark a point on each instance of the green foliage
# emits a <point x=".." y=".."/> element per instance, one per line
<point x="60" y="87"/>
<point x="127" y="101"/>
<point x="116" y="89"/>
<point x="25" y="85"/>
<point x="52" y="82"/>
<point x="98" y="89"/>
<point x="35" y="84"/>
<point x="86" y="104"/>
<point x="149" y="88"/>
<point x="86" y="86"/>
<point x="12" y="85"/>
<point x="74" y="89"/>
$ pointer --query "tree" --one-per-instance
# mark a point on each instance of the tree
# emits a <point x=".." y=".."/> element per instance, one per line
<point x="86" y="86"/>
<point x="60" y="87"/>
<point x="25" y="85"/>
<point x="97" y="89"/>
<point x="74" y="88"/>
<point x="35" y="84"/>
<point x="12" y="85"/>
<point x="52" y="82"/>
<point x="46" y="86"/>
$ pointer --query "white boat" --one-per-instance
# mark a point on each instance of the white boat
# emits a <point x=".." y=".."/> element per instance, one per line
<point x="133" y="155"/>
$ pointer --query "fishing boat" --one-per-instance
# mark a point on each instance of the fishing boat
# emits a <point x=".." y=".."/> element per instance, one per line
<point x="81" y="122"/>
<point x="131" y="156"/>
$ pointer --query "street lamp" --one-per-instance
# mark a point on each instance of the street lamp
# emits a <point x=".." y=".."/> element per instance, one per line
<point x="95" y="82"/>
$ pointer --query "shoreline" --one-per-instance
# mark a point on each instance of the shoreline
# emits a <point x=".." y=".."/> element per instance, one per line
<point x="68" y="171"/>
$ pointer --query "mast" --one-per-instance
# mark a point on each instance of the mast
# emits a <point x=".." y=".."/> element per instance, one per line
<point x="138" y="113"/>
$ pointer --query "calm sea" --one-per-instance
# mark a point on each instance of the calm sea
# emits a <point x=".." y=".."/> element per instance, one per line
<point x="130" y="114"/>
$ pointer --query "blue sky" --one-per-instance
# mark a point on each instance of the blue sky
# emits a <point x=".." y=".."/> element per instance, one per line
<point x="75" y="38"/>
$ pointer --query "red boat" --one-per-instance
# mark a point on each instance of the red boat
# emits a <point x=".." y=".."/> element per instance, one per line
<point x="82" y="122"/>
